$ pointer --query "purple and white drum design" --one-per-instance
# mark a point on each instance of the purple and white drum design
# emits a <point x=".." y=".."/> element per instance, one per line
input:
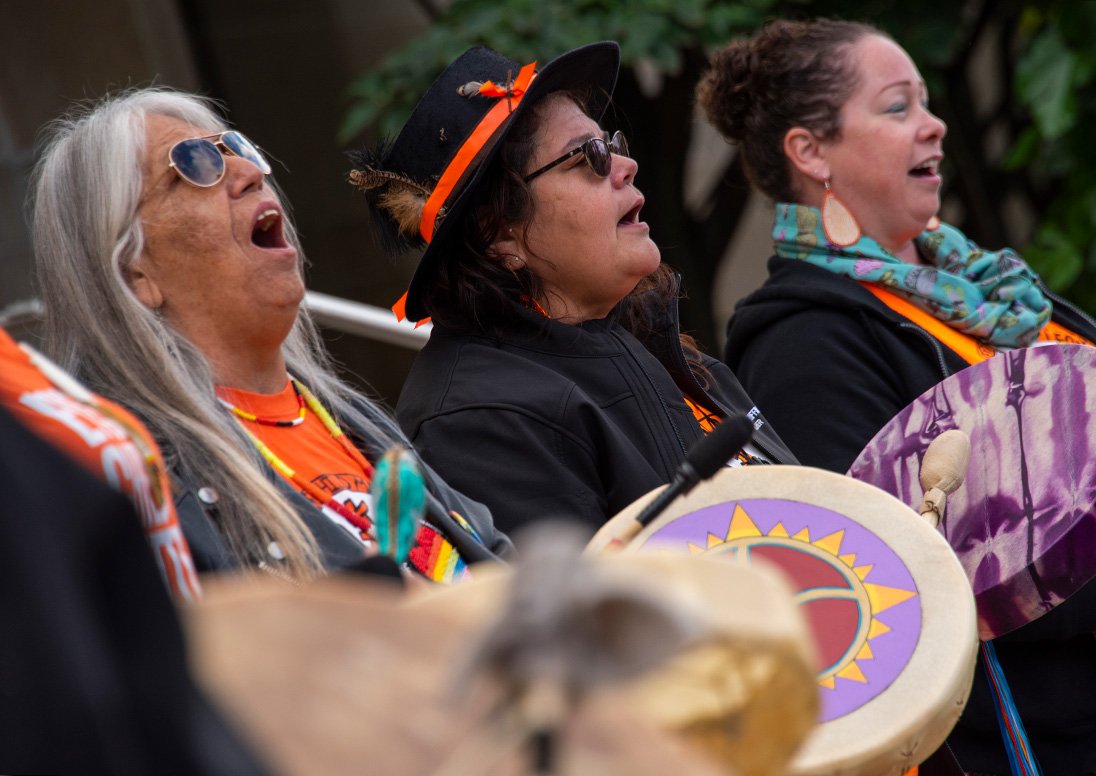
<point x="1024" y="522"/>
<point x="884" y="598"/>
<point x="857" y="595"/>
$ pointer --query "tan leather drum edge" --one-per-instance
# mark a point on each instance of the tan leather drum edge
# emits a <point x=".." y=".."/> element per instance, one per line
<point x="742" y="696"/>
<point x="346" y="675"/>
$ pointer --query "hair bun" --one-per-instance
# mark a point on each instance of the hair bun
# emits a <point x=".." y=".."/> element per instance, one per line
<point x="725" y="91"/>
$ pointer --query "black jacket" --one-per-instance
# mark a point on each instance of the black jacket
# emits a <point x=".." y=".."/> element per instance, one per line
<point x="831" y="365"/>
<point x="198" y="517"/>
<point x="557" y="420"/>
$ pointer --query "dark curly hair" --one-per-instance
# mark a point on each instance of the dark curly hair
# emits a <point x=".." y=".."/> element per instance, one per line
<point x="789" y="74"/>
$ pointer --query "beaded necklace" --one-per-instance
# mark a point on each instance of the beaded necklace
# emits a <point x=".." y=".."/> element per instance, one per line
<point x="270" y="421"/>
<point x="309" y="401"/>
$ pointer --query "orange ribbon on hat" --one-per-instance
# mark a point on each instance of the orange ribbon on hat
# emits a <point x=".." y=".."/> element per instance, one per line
<point x="508" y="97"/>
<point x="515" y="91"/>
<point x="400" y="311"/>
<point x="474" y="144"/>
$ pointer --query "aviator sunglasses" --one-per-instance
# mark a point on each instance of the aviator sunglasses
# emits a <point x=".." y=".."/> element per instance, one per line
<point x="598" y="152"/>
<point x="199" y="160"/>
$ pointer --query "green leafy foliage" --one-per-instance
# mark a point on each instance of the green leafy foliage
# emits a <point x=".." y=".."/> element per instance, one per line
<point x="1055" y="257"/>
<point x="1045" y="78"/>
<point x="1056" y="83"/>
<point x="656" y="32"/>
<point x="1048" y="59"/>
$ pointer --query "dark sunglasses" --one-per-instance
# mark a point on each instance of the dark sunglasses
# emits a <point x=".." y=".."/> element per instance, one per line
<point x="598" y="152"/>
<point x="200" y="160"/>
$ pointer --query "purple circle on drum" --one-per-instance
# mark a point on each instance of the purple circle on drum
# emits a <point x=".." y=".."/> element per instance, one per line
<point x="1023" y="524"/>
<point x="857" y="595"/>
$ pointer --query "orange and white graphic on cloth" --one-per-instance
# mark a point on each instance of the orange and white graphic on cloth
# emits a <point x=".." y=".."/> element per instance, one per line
<point x="108" y="441"/>
<point x="351" y="490"/>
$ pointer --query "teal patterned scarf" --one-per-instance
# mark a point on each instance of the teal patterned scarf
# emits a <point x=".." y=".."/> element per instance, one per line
<point x="990" y="295"/>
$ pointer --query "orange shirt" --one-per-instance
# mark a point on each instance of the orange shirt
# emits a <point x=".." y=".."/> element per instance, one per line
<point x="309" y="450"/>
<point x="107" y="440"/>
<point x="322" y="470"/>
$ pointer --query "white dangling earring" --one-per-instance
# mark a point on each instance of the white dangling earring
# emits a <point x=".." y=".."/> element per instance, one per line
<point x="933" y="224"/>
<point x="838" y="222"/>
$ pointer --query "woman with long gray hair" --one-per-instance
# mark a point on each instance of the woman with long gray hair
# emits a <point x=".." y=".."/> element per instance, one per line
<point x="172" y="279"/>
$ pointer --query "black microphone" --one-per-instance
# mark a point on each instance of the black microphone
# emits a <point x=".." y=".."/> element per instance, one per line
<point x="707" y="455"/>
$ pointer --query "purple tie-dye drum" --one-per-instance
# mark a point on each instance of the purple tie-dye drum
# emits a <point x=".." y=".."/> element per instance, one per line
<point x="1024" y="522"/>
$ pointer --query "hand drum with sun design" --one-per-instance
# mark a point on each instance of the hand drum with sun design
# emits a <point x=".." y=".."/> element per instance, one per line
<point x="886" y="601"/>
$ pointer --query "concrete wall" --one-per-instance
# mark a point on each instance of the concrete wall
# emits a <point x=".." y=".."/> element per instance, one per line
<point x="280" y="66"/>
<point x="52" y="54"/>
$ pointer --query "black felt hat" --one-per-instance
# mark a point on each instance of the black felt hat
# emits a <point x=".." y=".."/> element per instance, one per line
<point x="452" y="137"/>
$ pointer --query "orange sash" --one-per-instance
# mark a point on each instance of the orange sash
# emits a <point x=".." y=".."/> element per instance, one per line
<point x="969" y="349"/>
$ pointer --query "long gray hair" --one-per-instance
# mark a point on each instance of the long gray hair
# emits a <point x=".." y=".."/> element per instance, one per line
<point x="86" y="191"/>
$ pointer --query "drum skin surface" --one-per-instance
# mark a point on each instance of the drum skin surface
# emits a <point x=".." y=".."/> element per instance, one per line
<point x="346" y="675"/>
<point x="885" y="598"/>
<point x="1023" y="524"/>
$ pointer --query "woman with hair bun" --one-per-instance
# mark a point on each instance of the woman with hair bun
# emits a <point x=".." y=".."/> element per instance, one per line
<point x="871" y="301"/>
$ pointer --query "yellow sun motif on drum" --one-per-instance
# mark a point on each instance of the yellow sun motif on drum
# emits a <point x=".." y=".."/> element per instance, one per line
<point x="834" y="593"/>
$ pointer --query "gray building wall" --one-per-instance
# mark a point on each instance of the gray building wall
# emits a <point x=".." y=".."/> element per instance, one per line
<point x="281" y="67"/>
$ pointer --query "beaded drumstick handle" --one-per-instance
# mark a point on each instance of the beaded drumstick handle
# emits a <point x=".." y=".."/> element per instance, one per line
<point x="399" y="499"/>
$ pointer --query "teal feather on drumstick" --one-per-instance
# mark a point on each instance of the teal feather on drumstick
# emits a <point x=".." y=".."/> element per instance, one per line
<point x="399" y="502"/>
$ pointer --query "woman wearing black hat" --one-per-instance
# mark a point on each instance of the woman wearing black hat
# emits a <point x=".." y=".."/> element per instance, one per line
<point x="556" y="382"/>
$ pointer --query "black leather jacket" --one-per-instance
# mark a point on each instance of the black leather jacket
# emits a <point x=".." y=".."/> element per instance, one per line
<point x="198" y="517"/>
